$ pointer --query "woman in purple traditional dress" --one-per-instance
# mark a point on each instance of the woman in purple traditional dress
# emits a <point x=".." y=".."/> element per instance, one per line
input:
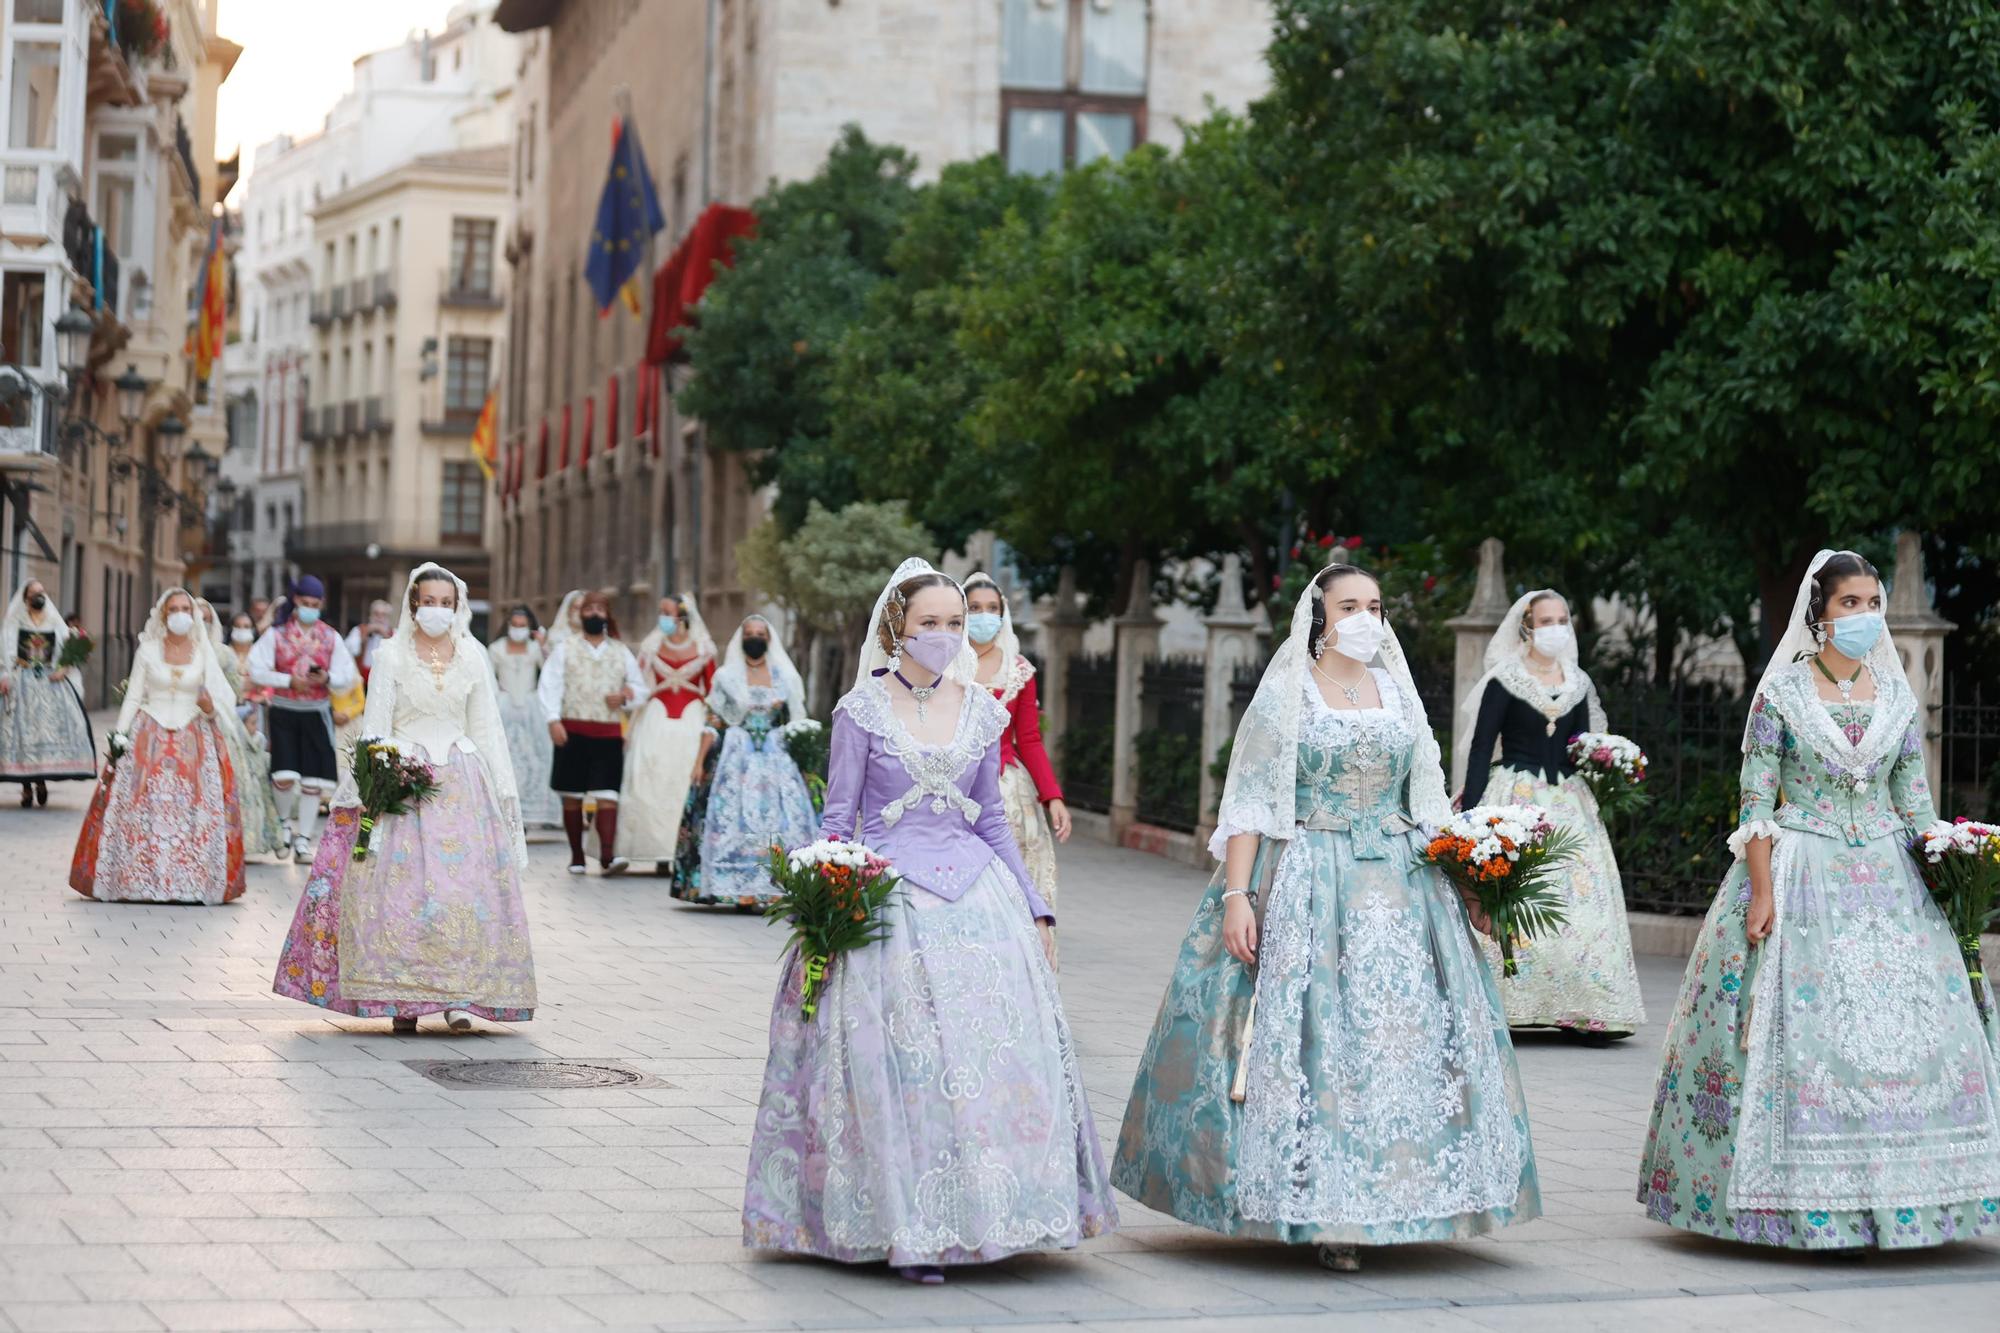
<point x="931" y="1112"/>
<point x="433" y="919"/>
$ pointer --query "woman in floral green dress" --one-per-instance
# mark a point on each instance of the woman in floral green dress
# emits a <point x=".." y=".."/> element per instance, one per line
<point x="1828" y="1082"/>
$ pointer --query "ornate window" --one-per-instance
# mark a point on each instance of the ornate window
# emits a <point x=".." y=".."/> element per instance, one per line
<point x="1072" y="81"/>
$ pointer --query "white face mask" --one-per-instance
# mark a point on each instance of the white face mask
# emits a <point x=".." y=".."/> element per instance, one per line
<point x="435" y="620"/>
<point x="518" y="633"/>
<point x="1360" y="636"/>
<point x="242" y="635"/>
<point x="179" y="623"/>
<point x="1553" y="640"/>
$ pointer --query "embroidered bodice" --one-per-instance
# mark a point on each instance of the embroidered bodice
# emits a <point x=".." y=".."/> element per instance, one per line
<point x="516" y="673"/>
<point x="1849" y="771"/>
<point x="170" y="694"/>
<point x="590" y="674"/>
<point x="934" y="810"/>
<point x="760" y="714"/>
<point x="1354" y="769"/>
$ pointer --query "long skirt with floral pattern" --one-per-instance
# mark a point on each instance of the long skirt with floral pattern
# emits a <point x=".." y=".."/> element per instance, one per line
<point x="1582" y="976"/>
<point x="1877" y="954"/>
<point x="684" y="874"/>
<point x="432" y="919"/>
<point x="1382" y="1103"/>
<point x="757" y="800"/>
<point x="931" y="1111"/>
<point x="44" y="731"/>
<point x="252" y="766"/>
<point x="1031" y="829"/>
<point x="166" y="826"/>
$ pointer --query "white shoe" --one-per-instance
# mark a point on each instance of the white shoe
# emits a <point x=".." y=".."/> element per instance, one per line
<point x="302" y="850"/>
<point x="458" y="1020"/>
<point x="617" y="865"/>
<point x="579" y="869"/>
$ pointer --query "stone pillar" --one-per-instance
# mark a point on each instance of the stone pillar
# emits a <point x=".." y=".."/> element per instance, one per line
<point x="1138" y="638"/>
<point x="1920" y="633"/>
<point x="1473" y="631"/>
<point x="1059" y="637"/>
<point x="1232" y="642"/>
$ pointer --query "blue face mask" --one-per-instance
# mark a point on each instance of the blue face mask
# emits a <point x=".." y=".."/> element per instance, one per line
<point x="983" y="626"/>
<point x="668" y="625"/>
<point x="308" y="615"/>
<point x="1854" y="635"/>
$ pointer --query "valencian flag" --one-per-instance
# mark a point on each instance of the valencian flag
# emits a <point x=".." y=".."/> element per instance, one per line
<point x="204" y="340"/>
<point x="486" y="435"/>
<point x="628" y="213"/>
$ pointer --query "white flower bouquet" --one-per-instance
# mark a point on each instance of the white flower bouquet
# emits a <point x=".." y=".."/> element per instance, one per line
<point x="1612" y="766"/>
<point x="831" y="894"/>
<point x="1960" y="865"/>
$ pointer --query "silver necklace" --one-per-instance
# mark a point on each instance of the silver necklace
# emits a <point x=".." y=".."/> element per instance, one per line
<point x="921" y="693"/>
<point x="1353" y="692"/>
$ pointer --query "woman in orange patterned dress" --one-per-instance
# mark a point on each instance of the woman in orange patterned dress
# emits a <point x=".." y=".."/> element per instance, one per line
<point x="165" y="825"/>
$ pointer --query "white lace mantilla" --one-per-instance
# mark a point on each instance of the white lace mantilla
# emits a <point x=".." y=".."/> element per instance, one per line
<point x="1853" y="767"/>
<point x="934" y="770"/>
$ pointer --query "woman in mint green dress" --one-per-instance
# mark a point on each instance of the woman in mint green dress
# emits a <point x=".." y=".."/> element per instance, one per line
<point x="1828" y="1081"/>
<point x="1334" y="1069"/>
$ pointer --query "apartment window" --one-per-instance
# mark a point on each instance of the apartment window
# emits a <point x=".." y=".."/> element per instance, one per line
<point x="472" y="256"/>
<point x="117" y="190"/>
<point x="463" y="507"/>
<point x="36" y="81"/>
<point x="1073" y="82"/>
<point x="38" y="11"/>
<point x="466" y="371"/>
<point x="21" y="310"/>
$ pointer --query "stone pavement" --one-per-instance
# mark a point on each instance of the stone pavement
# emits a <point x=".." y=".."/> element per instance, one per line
<point x="181" y="1149"/>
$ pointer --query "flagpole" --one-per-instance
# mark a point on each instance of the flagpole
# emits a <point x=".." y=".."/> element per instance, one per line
<point x="621" y="102"/>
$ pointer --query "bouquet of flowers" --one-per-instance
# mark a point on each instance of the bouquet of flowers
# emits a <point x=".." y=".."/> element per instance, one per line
<point x="1613" y="767"/>
<point x="116" y="745"/>
<point x="831" y="894"/>
<point x="1960" y="865"/>
<point x="1504" y="858"/>
<point x="807" y="742"/>
<point x="75" y="651"/>
<point x="390" y="782"/>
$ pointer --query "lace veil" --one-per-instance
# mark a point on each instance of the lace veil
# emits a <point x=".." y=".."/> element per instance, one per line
<point x="1506" y="662"/>
<point x="567" y="620"/>
<point x="1014" y="669"/>
<point x="731" y="691"/>
<point x="697" y="628"/>
<point x="19" y="618"/>
<point x="871" y="658"/>
<point x="1260" y="794"/>
<point x="155" y="633"/>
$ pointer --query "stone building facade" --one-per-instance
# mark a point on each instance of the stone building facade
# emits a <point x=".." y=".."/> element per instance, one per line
<point x="728" y="96"/>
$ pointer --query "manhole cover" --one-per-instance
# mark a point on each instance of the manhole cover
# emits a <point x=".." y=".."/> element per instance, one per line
<point x="542" y="1074"/>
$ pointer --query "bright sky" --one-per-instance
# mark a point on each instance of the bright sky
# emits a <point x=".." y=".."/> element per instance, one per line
<point x="299" y="58"/>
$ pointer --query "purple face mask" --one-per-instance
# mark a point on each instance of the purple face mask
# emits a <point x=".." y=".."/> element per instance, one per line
<point x="933" y="650"/>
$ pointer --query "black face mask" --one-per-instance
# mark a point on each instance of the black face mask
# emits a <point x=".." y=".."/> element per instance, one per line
<point x="593" y="624"/>
<point x="754" y="649"/>
<point x="38" y="601"/>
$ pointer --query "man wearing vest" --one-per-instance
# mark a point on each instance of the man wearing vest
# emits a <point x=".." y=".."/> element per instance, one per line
<point x="304" y="663"/>
<point x="587" y="686"/>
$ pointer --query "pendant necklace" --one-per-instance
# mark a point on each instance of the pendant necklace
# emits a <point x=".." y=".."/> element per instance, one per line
<point x="438" y="665"/>
<point x="921" y="693"/>
<point x="1352" y="692"/>
<point x="1846" y="687"/>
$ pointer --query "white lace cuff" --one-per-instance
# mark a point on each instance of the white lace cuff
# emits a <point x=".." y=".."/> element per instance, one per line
<point x="1218" y="841"/>
<point x="1756" y="828"/>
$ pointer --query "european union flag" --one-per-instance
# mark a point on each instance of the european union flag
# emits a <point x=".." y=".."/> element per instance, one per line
<point x="628" y="213"/>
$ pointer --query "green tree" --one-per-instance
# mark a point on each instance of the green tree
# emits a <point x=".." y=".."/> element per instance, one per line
<point x="764" y="350"/>
<point x="1663" y="293"/>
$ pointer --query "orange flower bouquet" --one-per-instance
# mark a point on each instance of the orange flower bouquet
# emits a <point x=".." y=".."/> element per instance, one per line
<point x="831" y="894"/>
<point x="1504" y="858"/>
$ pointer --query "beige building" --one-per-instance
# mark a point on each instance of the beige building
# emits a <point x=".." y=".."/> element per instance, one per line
<point x="409" y="315"/>
<point x="726" y="96"/>
<point x="109" y="182"/>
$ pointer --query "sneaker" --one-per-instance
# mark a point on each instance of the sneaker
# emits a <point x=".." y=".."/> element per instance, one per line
<point x="458" y="1020"/>
<point x="579" y="868"/>
<point x="302" y="850"/>
<point x="617" y="865"/>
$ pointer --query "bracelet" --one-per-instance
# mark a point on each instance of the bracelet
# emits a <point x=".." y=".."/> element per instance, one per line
<point x="1248" y="895"/>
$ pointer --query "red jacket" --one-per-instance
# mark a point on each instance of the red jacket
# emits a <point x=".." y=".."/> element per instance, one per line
<point x="1021" y="743"/>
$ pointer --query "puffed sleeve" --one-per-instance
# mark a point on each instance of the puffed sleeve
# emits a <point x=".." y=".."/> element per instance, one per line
<point x="993" y="828"/>
<point x="1757" y="786"/>
<point x="135" y="689"/>
<point x="1485" y="735"/>
<point x="1028" y="746"/>
<point x="1909" y="784"/>
<point x="846" y="768"/>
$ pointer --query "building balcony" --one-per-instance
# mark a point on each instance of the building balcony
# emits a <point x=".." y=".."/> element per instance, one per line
<point x="359" y="298"/>
<point x="385" y="290"/>
<point x="350" y="417"/>
<point x="458" y="422"/>
<point x="455" y="291"/>
<point x="309" y="428"/>
<point x="34" y="199"/>
<point x="185" y="146"/>
<point x="336" y="302"/>
<point x="329" y="421"/>
<point x="112" y="77"/>
<point x="322" y="310"/>
<point x="320" y="540"/>
<point x="28" y="432"/>
<point x="379" y="416"/>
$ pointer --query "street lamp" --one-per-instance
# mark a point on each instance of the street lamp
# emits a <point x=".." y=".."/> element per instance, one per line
<point x="169" y="432"/>
<point x="200" y="458"/>
<point x="131" y="388"/>
<point x="73" y="332"/>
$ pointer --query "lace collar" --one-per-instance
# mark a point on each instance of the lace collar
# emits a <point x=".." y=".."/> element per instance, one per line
<point x="1812" y="720"/>
<point x="1514" y="677"/>
<point x="1392" y="699"/>
<point x="1009" y="679"/>
<point x="934" y="770"/>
